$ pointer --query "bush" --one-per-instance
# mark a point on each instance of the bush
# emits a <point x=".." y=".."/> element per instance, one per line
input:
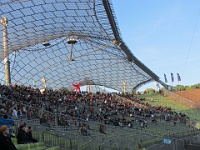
<point x="179" y="88"/>
<point x="187" y="87"/>
<point x="149" y="91"/>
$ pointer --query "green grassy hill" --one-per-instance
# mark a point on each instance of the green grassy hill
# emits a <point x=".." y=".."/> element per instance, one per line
<point x="159" y="100"/>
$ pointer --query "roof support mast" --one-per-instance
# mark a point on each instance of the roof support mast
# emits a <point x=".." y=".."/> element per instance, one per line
<point x="4" y="23"/>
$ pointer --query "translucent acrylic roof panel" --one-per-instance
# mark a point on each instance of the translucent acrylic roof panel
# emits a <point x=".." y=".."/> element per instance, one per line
<point x="39" y="35"/>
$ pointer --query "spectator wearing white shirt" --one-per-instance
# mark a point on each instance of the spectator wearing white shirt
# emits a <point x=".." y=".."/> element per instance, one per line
<point x="14" y="113"/>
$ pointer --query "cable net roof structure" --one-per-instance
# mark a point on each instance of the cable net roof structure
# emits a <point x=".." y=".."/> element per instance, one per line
<point x="65" y="42"/>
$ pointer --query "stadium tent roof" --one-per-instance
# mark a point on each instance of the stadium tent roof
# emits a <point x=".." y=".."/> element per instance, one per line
<point x="39" y="33"/>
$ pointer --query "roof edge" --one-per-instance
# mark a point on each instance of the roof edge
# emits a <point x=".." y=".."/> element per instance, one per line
<point x="123" y="46"/>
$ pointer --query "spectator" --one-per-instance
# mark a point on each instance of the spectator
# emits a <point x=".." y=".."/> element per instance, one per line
<point x="145" y="123"/>
<point x="29" y="135"/>
<point x="102" y="128"/>
<point x="21" y="136"/>
<point x="5" y="141"/>
<point x="3" y="108"/>
<point x="140" y="147"/>
<point x="14" y="113"/>
<point x="83" y="131"/>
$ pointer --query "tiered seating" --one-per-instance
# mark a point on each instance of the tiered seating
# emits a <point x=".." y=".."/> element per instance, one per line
<point x="53" y="148"/>
<point x="33" y="146"/>
<point x="68" y="137"/>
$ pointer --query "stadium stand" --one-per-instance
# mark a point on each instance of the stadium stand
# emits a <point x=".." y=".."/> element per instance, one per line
<point x="50" y="45"/>
<point x="114" y="114"/>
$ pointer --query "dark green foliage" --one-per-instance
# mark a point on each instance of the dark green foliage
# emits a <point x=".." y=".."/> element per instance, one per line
<point x="185" y="88"/>
<point x="179" y="88"/>
<point x="149" y="91"/>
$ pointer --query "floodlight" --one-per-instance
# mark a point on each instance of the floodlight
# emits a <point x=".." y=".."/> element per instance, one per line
<point x="71" y="41"/>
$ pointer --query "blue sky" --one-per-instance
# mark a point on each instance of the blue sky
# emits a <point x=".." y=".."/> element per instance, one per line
<point x="164" y="35"/>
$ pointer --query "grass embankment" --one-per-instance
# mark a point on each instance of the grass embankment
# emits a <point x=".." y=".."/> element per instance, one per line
<point x="159" y="100"/>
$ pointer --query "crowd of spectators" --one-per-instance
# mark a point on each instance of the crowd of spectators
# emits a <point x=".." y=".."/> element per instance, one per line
<point x="68" y="108"/>
<point x="106" y="108"/>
